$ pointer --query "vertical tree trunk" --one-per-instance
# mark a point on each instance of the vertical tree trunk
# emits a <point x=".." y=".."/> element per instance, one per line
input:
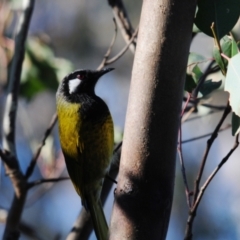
<point x="143" y="197"/>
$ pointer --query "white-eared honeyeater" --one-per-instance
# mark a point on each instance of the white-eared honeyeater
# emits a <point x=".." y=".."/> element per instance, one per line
<point x="86" y="137"/>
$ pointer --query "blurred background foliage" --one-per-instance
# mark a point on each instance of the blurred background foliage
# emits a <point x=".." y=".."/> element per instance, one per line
<point x="67" y="35"/>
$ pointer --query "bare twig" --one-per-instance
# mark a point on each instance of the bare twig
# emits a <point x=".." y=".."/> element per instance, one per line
<point x="197" y="101"/>
<point x="13" y="170"/>
<point x="14" y="80"/>
<point x="24" y="227"/>
<point x="213" y="106"/>
<point x="202" y="79"/>
<point x="35" y="183"/>
<point x="192" y="214"/>
<point x="206" y="135"/>
<point x="35" y="157"/>
<point x="106" y="56"/>
<point x="120" y="54"/>
<point x="180" y="153"/>
<point x="123" y="21"/>
<point x="179" y="149"/>
<point x="198" y="195"/>
<point x="82" y="227"/>
<point x="187" y="114"/>
<point x="207" y="182"/>
<point x="201" y="116"/>
<point x="209" y="144"/>
<point x="106" y="62"/>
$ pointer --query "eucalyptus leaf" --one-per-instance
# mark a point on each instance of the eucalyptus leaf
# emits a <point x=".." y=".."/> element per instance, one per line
<point x="232" y="83"/>
<point x="189" y="84"/>
<point x="209" y="86"/>
<point x="235" y="124"/>
<point x="196" y="73"/>
<point x="41" y="69"/>
<point x="223" y="13"/>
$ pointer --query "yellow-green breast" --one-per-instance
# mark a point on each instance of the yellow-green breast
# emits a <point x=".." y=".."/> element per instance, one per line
<point x="87" y="146"/>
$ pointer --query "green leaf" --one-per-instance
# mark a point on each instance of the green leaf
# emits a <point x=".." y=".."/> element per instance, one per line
<point x="209" y="86"/>
<point x="235" y="124"/>
<point x="189" y="83"/>
<point x="229" y="48"/>
<point x="238" y="44"/>
<point x="224" y="14"/>
<point x="195" y="58"/>
<point x="196" y="73"/>
<point x="234" y="48"/>
<point x="41" y="69"/>
<point x="232" y="83"/>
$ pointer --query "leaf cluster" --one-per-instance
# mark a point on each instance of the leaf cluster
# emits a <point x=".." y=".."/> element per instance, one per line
<point x="216" y="18"/>
<point x="42" y="70"/>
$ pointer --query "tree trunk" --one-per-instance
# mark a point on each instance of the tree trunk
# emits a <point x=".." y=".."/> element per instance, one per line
<point x="143" y="197"/>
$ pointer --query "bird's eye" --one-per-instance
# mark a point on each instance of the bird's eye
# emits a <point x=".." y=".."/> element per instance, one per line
<point x="81" y="76"/>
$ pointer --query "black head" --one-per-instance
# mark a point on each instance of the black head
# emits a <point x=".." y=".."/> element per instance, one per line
<point x="81" y="82"/>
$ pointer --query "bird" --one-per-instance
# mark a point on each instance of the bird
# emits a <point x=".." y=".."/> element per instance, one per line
<point x="86" y="137"/>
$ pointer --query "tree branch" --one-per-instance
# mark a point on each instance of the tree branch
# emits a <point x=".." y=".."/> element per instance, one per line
<point x="106" y="56"/>
<point x="121" y="53"/>
<point x="33" y="162"/>
<point x="123" y="21"/>
<point x="37" y="182"/>
<point x="13" y="169"/>
<point x="180" y="154"/>
<point x="105" y="60"/>
<point x="209" y="144"/>
<point x="193" y="211"/>
<point x="205" y="135"/>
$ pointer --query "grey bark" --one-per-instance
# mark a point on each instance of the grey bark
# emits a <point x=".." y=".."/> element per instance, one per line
<point x="144" y="193"/>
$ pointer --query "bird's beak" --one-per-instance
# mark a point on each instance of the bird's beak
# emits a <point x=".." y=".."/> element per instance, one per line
<point x="103" y="71"/>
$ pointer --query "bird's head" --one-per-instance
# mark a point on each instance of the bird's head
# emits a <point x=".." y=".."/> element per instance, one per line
<point x="81" y="82"/>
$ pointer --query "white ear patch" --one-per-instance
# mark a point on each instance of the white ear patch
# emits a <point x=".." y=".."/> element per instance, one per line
<point x="73" y="84"/>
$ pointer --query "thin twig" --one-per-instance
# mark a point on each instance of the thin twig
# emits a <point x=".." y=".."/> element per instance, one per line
<point x="202" y="79"/>
<point x="123" y="21"/>
<point x="217" y="41"/>
<point x="193" y="212"/>
<point x="110" y="179"/>
<point x="106" y="62"/>
<point x="35" y="183"/>
<point x="187" y="114"/>
<point x="197" y="101"/>
<point x="106" y="56"/>
<point x="213" y="106"/>
<point x="201" y="116"/>
<point x="206" y="135"/>
<point x="224" y="160"/>
<point x="209" y="144"/>
<point x="180" y="153"/>
<point x="120" y="54"/>
<point x="35" y="157"/>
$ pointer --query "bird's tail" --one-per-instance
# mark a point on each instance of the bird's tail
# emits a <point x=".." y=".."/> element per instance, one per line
<point x="99" y="221"/>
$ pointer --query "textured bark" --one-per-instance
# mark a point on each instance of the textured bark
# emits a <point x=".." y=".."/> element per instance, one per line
<point x="144" y="193"/>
